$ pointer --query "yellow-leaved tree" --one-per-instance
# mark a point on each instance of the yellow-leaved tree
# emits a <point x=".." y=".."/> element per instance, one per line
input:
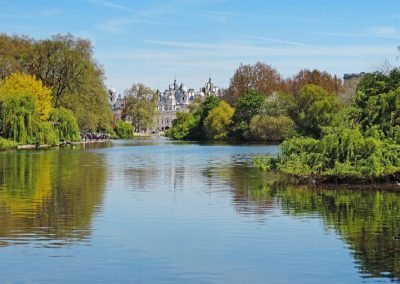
<point x="218" y="121"/>
<point x="18" y="84"/>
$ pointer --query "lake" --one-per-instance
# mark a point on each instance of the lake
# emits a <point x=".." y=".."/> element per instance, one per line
<point x="156" y="211"/>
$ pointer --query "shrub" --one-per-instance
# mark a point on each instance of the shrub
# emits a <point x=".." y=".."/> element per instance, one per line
<point x="271" y="129"/>
<point x="7" y="144"/>
<point x="123" y="129"/>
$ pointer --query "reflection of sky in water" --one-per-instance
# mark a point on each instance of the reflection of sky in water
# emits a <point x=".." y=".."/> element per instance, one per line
<point x="180" y="213"/>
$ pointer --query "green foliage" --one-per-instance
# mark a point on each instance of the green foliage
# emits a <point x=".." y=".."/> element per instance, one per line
<point x="123" y="129"/>
<point x="22" y="123"/>
<point x="315" y="109"/>
<point x="65" y="124"/>
<point x="140" y="107"/>
<point x="340" y="152"/>
<point x="271" y="128"/>
<point x="20" y="116"/>
<point x="45" y="134"/>
<point x="246" y="107"/>
<point x="201" y="113"/>
<point x="182" y="126"/>
<point x="6" y="144"/>
<point x="265" y="162"/>
<point x="218" y="121"/>
<point x="66" y="65"/>
<point x="378" y="103"/>
<point x="280" y="104"/>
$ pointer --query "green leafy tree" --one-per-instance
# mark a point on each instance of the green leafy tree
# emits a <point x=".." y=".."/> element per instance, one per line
<point x="279" y="104"/>
<point x="271" y="128"/>
<point x="377" y="103"/>
<point x="140" y="107"/>
<point x="65" y="124"/>
<point x="315" y="109"/>
<point x="123" y="129"/>
<point x="20" y="116"/>
<point x="218" y="121"/>
<point x="246" y="107"/>
<point x="201" y="112"/>
<point x="183" y="126"/>
<point x="66" y="65"/>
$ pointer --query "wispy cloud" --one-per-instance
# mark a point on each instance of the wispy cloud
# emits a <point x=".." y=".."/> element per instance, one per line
<point x="112" y="5"/>
<point x="385" y="31"/>
<point x="389" y="32"/>
<point x="31" y="15"/>
<point x="115" y="25"/>
<point x="275" y="40"/>
<point x="223" y="17"/>
<point x="243" y="50"/>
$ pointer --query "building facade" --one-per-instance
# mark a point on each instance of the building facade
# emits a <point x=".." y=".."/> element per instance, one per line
<point x="177" y="98"/>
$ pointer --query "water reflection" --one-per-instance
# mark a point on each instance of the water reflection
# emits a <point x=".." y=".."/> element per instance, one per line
<point x="187" y="212"/>
<point x="49" y="197"/>
<point x="367" y="220"/>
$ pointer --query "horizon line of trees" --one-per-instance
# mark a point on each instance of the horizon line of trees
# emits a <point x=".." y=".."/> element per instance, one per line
<point x="259" y="105"/>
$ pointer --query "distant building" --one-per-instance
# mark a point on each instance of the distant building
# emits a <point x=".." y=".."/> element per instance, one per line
<point x="116" y="102"/>
<point x="350" y="84"/>
<point x="177" y="99"/>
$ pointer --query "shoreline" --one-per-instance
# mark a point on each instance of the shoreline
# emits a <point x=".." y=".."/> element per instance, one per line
<point x="45" y="146"/>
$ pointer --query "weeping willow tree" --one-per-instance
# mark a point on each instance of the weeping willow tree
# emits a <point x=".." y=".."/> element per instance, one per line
<point x="65" y="124"/>
<point x="19" y="117"/>
<point x="22" y="123"/>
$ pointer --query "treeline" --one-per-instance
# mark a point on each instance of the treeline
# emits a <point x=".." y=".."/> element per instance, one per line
<point x="358" y="143"/>
<point x="260" y="105"/>
<point x="50" y="89"/>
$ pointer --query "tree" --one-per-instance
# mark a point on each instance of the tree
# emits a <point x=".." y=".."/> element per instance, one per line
<point x="377" y="103"/>
<point x="182" y="126"/>
<point x="218" y="121"/>
<point x="64" y="64"/>
<point x="61" y="63"/>
<point x="19" y="118"/>
<point x="279" y="104"/>
<point x="14" y="51"/>
<point x="315" y="109"/>
<point x="201" y="112"/>
<point x="21" y="84"/>
<point x="271" y="128"/>
<point x="330" y="83"/>
<point x="246" y="107"/>
<point x="123" y="129"/>
<point x="65" y="124"/>
<point x="140" y="107"/>
<point x="260" y="77"/>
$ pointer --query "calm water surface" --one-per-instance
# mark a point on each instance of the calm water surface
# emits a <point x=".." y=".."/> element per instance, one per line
<point x="154" y="211"/>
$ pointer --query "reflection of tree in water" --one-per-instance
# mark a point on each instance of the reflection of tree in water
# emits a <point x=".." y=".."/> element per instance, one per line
<point x="50" y="195"/>
<point x="251" y="188"/>
<point x="366" y="220"/>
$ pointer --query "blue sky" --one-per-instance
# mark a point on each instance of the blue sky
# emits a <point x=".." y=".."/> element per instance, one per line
<point x="154" y="41"/>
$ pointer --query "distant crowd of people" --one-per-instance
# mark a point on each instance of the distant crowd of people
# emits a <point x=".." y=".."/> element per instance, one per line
<point x="87" y="136"/>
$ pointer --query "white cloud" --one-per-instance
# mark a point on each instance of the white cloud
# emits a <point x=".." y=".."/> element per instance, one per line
<point x="386" y="31"/>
